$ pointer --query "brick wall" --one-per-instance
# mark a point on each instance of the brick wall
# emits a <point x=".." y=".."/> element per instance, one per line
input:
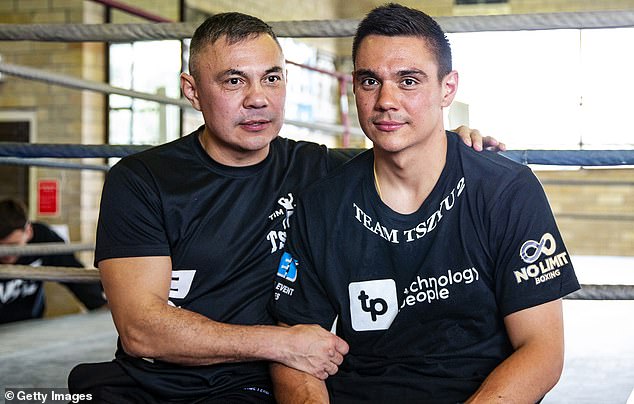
<point x="594" y="209"/>
<point x="595" y="217"/>
<point x="63" y="115"/>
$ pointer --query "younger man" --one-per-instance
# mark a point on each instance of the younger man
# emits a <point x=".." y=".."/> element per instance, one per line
<point x="444" y="269"/>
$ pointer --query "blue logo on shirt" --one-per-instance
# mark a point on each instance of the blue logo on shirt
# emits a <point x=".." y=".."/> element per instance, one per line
<point x="288" y="267"/>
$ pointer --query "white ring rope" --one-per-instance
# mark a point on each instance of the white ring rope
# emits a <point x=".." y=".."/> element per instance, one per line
<point x="62" y="274"/>
<point x="31" y="73"/>
<point x="72" y="82"/>
<point x="313" y="28"/>
<point x="44" y="249"/>
<point x="53" y="164"/>
<point x="69" y="274"/>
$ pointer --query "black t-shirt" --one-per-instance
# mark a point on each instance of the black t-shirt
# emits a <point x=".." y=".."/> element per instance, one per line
<point x="224" y="229"/>
<point x="22" y="299"/>
<point x="421" y="298"/>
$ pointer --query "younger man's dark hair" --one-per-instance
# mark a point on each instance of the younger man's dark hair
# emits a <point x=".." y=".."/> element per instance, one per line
<point x="397" y="20"/>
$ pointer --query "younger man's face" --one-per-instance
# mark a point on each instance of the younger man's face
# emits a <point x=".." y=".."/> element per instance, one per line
<point x="398" y="94"/>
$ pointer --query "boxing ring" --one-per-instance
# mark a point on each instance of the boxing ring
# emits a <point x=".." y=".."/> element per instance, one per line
<point x="599" y="319"/>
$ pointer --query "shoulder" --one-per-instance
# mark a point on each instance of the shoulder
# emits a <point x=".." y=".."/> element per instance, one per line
<point x="310" y="152"/>
<point x="176" y="155"/>
<point x="490" y="170"/>
<point x="174" y="150"/>
<point x="341" y="179"/>
<point x="42" y="233"/>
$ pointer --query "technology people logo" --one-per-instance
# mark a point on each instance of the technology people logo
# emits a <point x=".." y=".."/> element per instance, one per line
<point x="373" y="304"/>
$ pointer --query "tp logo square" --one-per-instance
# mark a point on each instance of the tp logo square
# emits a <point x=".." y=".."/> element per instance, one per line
<point x="373" y="304"/>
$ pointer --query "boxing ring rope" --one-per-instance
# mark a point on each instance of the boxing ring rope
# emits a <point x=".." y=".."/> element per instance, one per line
<point x="59" y="274"/>
<point x="68" y="274"/>
<point x="21" y="153"/>
<point x="44" y="249"/>
<point x="31" y="73"/>
<point x="312" y="28"/>
<point x="587" y="158"/>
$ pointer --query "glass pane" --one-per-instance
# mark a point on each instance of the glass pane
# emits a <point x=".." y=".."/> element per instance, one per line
<point x="119" y="131"/>
<point x="608" y="85"/>
<point x="522" y="87"/>
<point x="121" y="56"/>
<point x="150" y="67"/>
<point x="146" y="122"/>
<point x="157" y="66"/>
<point x="548" y="89"/>
<point x="120" y="101"/>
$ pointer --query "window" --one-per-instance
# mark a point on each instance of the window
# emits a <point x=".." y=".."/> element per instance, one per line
<point x="555" y="89"/>
<point x="149" y="67"/>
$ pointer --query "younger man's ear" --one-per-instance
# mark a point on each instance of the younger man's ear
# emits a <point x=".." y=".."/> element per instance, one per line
<point x="450" y="88"/>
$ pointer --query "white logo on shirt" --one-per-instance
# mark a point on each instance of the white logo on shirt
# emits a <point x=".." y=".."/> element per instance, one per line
<point x="531" y="250"/>
<point x="181" y="283"/>
<point x="373" y="304"/>
<point x="277" y="238"/>
<point x="421" y="229"/>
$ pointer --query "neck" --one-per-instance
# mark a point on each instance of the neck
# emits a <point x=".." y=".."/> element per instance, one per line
<point x="230" y="156"/>
<point x="405" y="179"/>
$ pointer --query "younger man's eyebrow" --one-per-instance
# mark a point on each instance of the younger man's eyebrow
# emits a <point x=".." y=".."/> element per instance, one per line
<point x="412" y="72"/>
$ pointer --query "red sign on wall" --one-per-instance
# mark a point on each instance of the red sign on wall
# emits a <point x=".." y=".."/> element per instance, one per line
<point x="48" y="197"/>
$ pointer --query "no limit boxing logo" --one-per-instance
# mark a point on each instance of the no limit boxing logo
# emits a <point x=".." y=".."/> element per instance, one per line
<point x="531" y="250"/>
<point x="546" y="269"/>
<point x="373" y="304"/>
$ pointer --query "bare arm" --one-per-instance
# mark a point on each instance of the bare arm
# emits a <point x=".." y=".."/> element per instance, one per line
<point x="138" y="291"/>
<point x="292" y="386"/>
<point x="473" y="138"/>
<point x="535" y="366"/>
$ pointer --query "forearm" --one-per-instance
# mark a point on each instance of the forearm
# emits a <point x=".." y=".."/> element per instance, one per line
<point x="181" y="336"/>
<point x="524" y="377"/>
<point x="294" y="387"/>
<point x="184" y="337"/>
<point x="150" y="327"/>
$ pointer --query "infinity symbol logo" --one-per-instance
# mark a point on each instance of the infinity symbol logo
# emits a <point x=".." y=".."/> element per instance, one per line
<point x="531" y="250"/>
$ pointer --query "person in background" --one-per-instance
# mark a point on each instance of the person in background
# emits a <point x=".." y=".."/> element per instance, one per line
<point x="22" y="299"/>
<point x="442" y="268"/>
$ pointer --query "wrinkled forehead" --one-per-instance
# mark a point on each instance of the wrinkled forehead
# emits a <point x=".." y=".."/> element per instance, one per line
<point x="257" y="52"/>
<point x="259" y="49"/>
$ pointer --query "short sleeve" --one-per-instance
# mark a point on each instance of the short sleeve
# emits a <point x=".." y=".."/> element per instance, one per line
<point x="131" y="216"/>
<point x="532" y="264"/>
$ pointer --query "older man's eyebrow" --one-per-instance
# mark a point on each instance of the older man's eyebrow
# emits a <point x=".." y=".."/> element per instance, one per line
<point x="275" y="69"/>
<point x="231" y="72"/>
<point x="241" y="73"/>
